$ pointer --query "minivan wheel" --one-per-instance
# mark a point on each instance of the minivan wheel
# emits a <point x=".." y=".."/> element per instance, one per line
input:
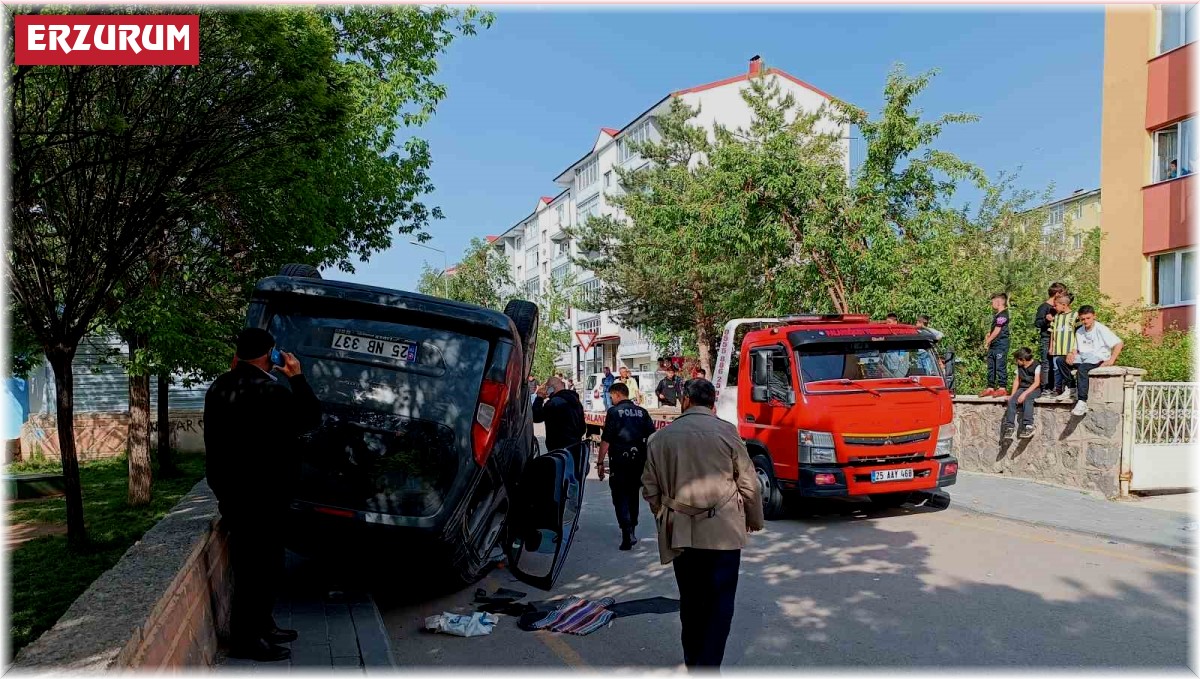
<point x="525" y="316"/>
<point x="300" y="271"/>
<point x="772" y="497"/>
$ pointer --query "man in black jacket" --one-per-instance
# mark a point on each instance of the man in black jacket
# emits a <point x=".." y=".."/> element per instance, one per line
<point x="562" y="411"/>
<point x="251" y="424"/>
<point x="669" y="389"/>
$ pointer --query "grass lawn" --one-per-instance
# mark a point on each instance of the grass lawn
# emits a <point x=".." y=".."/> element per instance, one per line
<point x="46" y="576"/>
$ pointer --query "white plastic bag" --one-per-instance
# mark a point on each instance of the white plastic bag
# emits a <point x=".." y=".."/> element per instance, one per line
<point x="474" y="625"/>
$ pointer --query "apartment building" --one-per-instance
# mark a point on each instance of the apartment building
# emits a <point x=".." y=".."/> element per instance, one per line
<point x="539" y="251"/>
<point x="1068" y="220"/>
<point x="1148" y="155"/>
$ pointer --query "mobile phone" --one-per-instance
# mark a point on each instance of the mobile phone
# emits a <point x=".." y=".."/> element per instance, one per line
<point x="277" y="357"/>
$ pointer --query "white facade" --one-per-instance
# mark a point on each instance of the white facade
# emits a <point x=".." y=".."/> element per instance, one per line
<point x="537" y="249"/>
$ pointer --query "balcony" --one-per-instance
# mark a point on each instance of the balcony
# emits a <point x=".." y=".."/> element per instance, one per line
<point x="1169" y="87"/>
<point x="1166" y="214"/>
<point x="633" y="343"/>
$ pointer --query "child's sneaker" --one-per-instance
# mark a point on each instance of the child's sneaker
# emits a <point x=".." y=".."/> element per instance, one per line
<point x="1000" y="393"/>
<point x="1081" y="409"/>
<point x="1006" y="431"/>
<point x="1066" y="396"/>
<point x="986" y="393"/>
<point x="1027" y="431"/>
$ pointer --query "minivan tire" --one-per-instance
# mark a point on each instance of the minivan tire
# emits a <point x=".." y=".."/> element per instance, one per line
<point x="772" y="497"/>
<point x="300" y="271"/>
<point x="525" y="316"/>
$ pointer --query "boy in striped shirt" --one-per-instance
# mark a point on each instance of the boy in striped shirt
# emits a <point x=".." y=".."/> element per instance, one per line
<point x="1062" y="343"/>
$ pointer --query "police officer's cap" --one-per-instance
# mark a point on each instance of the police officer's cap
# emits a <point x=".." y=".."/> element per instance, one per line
<point x="254" y="343"/>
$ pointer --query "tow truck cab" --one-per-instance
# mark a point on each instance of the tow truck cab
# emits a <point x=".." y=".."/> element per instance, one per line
<point x="836" y="405"/>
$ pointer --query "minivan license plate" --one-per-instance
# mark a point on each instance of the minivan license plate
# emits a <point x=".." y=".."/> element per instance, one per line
<point x="373" y="346"/>
<point x="891" y="475"/>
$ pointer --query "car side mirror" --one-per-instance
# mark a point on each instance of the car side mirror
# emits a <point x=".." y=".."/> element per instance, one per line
<point x="759" y="364"/>
<point x="791" y="396"/>
<point x="760" y="394"/>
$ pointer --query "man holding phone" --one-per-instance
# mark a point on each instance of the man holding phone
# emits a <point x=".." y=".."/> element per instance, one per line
<point x="252" y="420"/>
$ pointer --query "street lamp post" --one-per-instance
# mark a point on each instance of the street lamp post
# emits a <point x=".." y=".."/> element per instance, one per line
<point x="445" y="267"/>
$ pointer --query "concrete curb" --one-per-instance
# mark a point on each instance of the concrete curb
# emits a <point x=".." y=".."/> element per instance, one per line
<point x="374" y="644"/>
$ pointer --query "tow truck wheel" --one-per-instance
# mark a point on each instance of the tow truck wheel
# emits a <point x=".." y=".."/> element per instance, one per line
<point x="772" y="497"/>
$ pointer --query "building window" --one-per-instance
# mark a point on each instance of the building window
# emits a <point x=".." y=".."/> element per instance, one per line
<point x="590" y="292"/>
<point x="639" y="134"/>
<point x="1078" y="210"/>
<point x="586" y="176"/>
<point x="1174" y="150"/>
<point x="531" y="259"/>
<point x="531" y="229"/>
<point x="1079" y="241"/>
<point x="532" y="288"/>
<point x="589" y="208"/>
<point x="1175" y="26"/>
<point x="589" y="324"/>
<point x="1173" y="277"/>
<point x="562" y="213"/>
<point x="608" y="179"/>
<point x="561" y="271"/>
<point x="1055" y="216"/>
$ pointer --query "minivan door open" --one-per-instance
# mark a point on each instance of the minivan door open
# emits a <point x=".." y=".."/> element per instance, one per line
<point x="546" y="515"/>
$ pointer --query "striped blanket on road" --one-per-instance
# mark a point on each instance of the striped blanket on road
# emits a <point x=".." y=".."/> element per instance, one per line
<point x="577" y="616"/>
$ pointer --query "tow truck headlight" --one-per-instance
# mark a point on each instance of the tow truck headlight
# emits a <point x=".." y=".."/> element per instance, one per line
<point x="816" y="447"/>
<point x="945" y="442"/>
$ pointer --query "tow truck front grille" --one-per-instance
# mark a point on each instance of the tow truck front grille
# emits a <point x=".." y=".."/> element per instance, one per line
<point x="886" y="439"/>
<point x="894" y="459"/>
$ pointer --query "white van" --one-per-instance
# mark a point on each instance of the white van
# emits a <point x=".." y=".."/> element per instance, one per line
<point x="593" y="396"/>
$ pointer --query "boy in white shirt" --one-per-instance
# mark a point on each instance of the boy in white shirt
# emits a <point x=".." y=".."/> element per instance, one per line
<point x="1095" y="346"/>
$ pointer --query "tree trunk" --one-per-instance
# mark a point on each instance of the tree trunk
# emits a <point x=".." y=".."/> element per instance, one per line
<point x="64" y="402"/>
<point x="704" y="349"/>
<point x="139" y="430"/>
<point x="166" y="457"/>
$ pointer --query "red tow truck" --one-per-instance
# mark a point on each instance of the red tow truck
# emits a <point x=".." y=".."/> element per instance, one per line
<point x="837" y="405"/>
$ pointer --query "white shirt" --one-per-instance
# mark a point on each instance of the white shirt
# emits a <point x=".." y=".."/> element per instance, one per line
<point x="1095" y="345"/>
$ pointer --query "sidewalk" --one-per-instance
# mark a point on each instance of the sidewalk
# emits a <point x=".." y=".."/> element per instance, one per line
<point x="1134" y="520"/>
<point x="338" y="631"/>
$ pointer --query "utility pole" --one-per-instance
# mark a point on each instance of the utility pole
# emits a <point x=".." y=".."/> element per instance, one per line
<point x="445" y="267"/>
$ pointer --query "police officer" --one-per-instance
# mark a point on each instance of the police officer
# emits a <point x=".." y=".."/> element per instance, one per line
<point x="252" y="418"/>
<point x="626" y="428"/>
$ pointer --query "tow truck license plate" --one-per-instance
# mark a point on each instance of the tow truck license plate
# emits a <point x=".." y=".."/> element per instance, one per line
<point x="403" y="351"/>
<point x="891" y="475"/>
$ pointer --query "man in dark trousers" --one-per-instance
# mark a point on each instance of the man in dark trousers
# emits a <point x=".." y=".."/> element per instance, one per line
<point x="562" y="411"/>
<point x="626" y="428"/>
<point x="251" y="423"/>
<point x="669" y="389"/>
<point x="704" y="493"/>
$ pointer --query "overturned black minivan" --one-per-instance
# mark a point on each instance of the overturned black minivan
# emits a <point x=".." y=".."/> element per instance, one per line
<point x="426" y="444"/>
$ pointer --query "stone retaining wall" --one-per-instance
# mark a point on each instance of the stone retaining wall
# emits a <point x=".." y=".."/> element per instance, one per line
<point x="162" y="606"/>
<point x="1082" y="452"/>
<point x="102" y="435"/>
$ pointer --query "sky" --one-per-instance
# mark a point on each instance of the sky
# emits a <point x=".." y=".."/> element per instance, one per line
<point x="527" y="97"/>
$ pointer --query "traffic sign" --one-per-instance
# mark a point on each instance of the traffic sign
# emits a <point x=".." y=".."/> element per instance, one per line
<point x="586" y="338"/>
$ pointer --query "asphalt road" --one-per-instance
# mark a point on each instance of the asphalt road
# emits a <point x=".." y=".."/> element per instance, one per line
<point x="851" y="587"/>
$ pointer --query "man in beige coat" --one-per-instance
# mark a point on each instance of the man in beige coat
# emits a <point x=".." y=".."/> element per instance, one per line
<point x="704" y="494"/>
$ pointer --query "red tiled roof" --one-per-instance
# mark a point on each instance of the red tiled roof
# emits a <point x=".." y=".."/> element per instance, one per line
<point x="746" y="76"/>
<point x="547" y="200"/>
<point x="493" y="239"/>
<point x="610" y="131"/>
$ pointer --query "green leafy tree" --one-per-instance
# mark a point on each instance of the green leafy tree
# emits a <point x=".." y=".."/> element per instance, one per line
<point x="482" y="278"/>
<point x="111" y="165"/>
<point x="554" y="331"/>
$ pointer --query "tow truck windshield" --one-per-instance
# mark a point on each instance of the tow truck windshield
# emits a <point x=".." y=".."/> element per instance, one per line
<point x="860" y="362"/>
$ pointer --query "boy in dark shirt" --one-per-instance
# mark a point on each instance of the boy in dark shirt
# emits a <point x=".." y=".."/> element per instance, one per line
<point x="996" y="346"/>
<point x="1029" y="387"/>
<point x="1043" y="320"/>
